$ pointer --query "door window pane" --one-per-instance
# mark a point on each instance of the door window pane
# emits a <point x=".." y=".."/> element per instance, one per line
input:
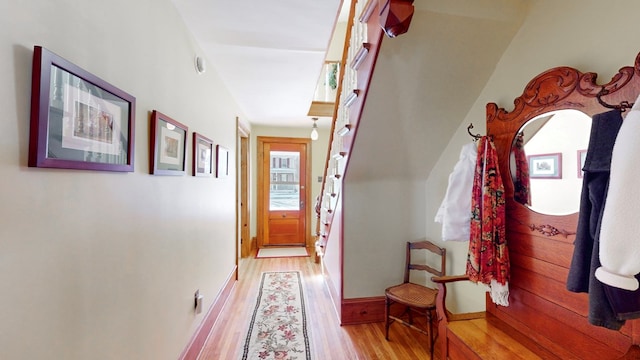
<point x="284" y="189"/>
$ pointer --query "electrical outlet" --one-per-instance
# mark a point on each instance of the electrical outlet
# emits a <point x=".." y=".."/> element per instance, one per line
<point x="319" y="179"/>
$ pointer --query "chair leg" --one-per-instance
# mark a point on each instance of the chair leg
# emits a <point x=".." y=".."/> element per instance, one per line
<point x="387" y="304"/>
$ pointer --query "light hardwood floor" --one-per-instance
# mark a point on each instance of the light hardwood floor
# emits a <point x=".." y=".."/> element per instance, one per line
<point x="328" y="339"/>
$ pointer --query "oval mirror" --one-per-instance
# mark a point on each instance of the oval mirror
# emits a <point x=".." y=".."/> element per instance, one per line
<point x="547" y="155"/>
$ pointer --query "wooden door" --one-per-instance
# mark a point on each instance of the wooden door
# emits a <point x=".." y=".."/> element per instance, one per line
<point x="283" y="190"/>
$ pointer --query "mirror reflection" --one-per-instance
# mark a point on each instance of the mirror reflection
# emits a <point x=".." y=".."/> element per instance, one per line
<point x="546" y="161"/>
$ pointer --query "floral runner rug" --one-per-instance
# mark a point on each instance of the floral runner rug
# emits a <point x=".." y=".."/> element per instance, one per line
<point x="278" y="328"/>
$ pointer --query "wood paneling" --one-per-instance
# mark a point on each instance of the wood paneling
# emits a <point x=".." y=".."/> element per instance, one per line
<point x="547" y="289"/>
<point x="540" y="267"/>
<point x="283" y="230"/>
<point x="362" y="310"/>
<point x="541" y="246"/>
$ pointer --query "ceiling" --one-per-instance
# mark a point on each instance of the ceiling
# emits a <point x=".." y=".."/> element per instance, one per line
<point x="269" y="54"/>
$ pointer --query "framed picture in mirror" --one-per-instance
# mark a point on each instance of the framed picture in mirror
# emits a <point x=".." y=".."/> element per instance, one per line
<point x="582" y="155"/>
<point x="545" y="166"/>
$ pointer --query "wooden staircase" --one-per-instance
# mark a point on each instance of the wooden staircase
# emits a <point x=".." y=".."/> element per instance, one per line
<point x="369" y="22"/>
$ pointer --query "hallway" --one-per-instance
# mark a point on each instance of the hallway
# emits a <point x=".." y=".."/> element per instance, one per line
<point x="328" y="339"/>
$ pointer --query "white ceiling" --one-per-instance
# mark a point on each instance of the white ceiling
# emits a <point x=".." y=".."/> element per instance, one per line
<point x="268" y="53"/>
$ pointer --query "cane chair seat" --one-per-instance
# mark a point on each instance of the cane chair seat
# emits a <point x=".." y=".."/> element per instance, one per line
<point x="413" y="297"/>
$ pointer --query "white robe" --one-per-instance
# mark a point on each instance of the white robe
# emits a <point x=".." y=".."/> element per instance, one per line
<point x="620" y="226"/>
<point x="455" y="211"/>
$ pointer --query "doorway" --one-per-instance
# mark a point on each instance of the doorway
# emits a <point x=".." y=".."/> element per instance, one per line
<point x="284" y="167"/>
<point x="245" y="244"/>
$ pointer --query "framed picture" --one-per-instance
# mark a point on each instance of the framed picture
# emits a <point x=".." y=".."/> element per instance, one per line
<point x="78" y="121"/>
<point x="202" y="155"/>
<point x="545" y="166"/>
<point x="168" y="145"/>
<point x="582" y="155"/>
<point x="222" y="166"/>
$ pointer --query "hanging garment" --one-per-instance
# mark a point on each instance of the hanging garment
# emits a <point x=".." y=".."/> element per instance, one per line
<point x="455" y="211"/>
<point x="585" y="260"/>
<point x="625" y="303"/>
<point x="522" y="187"/>
<point x="619" y="246"/>
<point x="488" y="257"/>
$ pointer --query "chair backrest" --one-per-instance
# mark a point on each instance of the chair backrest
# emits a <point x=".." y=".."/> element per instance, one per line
<point x="422" y="262"/>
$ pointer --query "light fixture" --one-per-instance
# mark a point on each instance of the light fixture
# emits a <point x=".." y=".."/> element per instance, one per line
<point x="314" y="129"/>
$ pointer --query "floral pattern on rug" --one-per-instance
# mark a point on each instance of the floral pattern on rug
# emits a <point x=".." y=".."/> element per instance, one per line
<point x="278" y="328"/>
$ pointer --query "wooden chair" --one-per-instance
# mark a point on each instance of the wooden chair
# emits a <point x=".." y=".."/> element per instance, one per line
<point x="415" y="297"/>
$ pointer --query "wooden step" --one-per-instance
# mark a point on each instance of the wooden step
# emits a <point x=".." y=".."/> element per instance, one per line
<point x="490" y="338"/>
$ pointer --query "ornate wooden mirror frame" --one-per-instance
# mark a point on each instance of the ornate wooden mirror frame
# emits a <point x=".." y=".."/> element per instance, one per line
<point x="556" y="89"/>
<point x="541" y="246"/>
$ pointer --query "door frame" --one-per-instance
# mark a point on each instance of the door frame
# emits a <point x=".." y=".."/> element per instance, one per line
<point x="243" y="196"/>
<point x="261" y="210"/>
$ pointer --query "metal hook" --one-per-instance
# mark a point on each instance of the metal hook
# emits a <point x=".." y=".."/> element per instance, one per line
<point x="624" y="105"/>
<point x="474" y="136"/>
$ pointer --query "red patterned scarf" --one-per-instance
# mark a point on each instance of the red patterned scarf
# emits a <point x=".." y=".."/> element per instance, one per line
<point x="488" y="258"/>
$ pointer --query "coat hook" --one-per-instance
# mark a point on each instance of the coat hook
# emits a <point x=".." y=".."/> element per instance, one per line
<point x="474" y="136"/>
<point x="623" y="106"/>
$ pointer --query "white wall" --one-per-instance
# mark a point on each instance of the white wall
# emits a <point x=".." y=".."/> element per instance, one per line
<point x="336" y="46"/>
<point x="100" y="265"/>
<point x="399" y="212"/>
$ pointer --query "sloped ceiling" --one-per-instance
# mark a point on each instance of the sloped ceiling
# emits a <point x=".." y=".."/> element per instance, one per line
<point x="268" y="53"/>
<point x="425" y="83"/>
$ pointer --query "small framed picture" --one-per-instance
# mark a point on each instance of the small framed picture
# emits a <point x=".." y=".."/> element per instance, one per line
<point x="545" y="166"/>
<point x="202" y="155"/>
<point x="168" y="145"/>
<point x="222" y="166"/>
<point x="582" y="155"/>
<point x="78" y="121"/>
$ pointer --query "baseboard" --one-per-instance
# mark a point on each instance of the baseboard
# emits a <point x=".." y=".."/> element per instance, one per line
<point x="354" y="311"/>
<point x="362" y="310"/>
<point x="192" y="350"/>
